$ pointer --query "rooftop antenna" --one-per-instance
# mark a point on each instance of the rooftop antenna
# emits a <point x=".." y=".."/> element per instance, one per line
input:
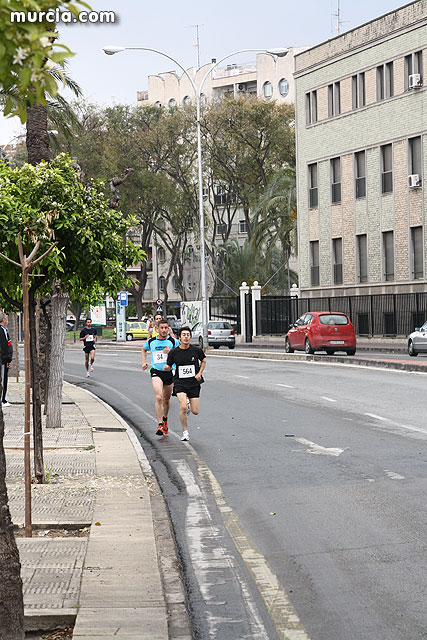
<point x="197" y="45"/>
<point x="339" y="22"/>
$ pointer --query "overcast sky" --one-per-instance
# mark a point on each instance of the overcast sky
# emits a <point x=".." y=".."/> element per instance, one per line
<point x="225" y="26"/>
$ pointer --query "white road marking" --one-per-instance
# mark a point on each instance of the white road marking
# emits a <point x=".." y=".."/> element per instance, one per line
<point x="279" y="607"/>
<point x="392" y="423"/>
<point x="288" y="386"/>
<point x="328" y="399"/>
<point x="237" y="376"/>
<point x="393" y="475"/>
<point x="318" y="449"/>
<point x="374" y="415"/>
<point x="210" y="559"/>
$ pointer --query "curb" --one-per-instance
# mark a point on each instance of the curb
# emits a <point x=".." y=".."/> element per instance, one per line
<point x="380" y="364"/>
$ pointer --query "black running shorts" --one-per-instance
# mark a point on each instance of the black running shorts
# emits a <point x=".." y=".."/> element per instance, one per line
<point x="192" y="392"/>
<point x="165" y="376"/>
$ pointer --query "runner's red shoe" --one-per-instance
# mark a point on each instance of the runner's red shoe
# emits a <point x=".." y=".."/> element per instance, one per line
<point x="165" y="426"/>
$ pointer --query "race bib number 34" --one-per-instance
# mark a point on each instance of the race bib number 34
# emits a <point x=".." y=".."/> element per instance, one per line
<point x="159" y="357"/>
<point x="187" y="371"/>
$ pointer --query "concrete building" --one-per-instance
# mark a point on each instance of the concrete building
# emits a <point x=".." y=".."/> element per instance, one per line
<point x="268" y="77"/>
<point x="361" y="118"/>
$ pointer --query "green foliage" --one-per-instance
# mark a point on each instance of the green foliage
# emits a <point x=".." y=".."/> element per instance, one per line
<point x="48" y="202"/>
<point x="29" y="51"/>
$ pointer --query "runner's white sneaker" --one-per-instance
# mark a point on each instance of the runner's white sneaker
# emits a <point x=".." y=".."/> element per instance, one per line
<point x="87" y="374"/>
<point x="91" y="368"/>
<point x="185" y="436"/>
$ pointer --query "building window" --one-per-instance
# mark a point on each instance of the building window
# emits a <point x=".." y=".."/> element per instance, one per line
<point x="162" y="284"/>
<point x="191" y="285"/>
<point x="386" y="168"/>
<point x="417" y="252"/>
<point x="360" y="170"/>
<point x="413" y="64"/>
<point x="267" y="90"/>
<point x="312" y="186"/>
<point x="385" y="85"/>
<point x="311" y="107"/>
<point x="335" y="180"/>
<point x="220" y="197"/>
<point x="388" y="255"/>
<point x="172" y="103"/>
<point x="175" y="283"/>
<point x="158" y="104"/>
<point x="359" y="92"/>
<point x="283" y="87"/>
<point x="161" y="254"/>
<point x="203" y="99"/>
<point x="362" y="257"/>
<point x="243" y="226"/>
<point x="414" y="156"/>
<point x="220" y="228"/>
<point x="314" y="263"/>
<point x="337" y="258"/>
<point x="186" y="101"/>
<point x="334" y="99"/>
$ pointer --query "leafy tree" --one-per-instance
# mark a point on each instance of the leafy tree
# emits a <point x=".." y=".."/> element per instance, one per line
<point x="274" y="217"/>
<point x="246" y="142"/>
<point x="49" y="202"/>
<point x="28" y="52"/>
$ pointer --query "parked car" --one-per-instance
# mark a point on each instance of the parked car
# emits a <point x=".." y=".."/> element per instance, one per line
<point x="417" y="341"/>
<point x="175" y="325"/>
<point x="220" y="334"/>
<point x="135" y="331"/>
<point x="322" y="331"/>
<point x="69" y="325"/>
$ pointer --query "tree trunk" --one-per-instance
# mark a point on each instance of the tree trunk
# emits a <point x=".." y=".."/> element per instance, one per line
<point x="35" y="385"/>
<point x="11" y="598"/>
<point x="60" y="301"/>
<point x="37" y="136"/>
<point x="45" y="340"/>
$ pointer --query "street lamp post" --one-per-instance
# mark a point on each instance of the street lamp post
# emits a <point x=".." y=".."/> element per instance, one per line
<point x="281" y="53"/>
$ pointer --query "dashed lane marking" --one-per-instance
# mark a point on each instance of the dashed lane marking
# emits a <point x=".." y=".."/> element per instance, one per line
<point x="288" y="386"/>
<point x="237" y="376"/>
<point x="393" y="475"/>
<point x="328" y="399"/>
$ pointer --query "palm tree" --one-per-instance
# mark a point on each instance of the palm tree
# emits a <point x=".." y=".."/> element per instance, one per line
<point x="57" y="112"/>
<point x="274" y="221"/>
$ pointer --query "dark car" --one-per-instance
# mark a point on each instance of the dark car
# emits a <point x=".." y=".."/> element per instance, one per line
<point x="322" y="331"/>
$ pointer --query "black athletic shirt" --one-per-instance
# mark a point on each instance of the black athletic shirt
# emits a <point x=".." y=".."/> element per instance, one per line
<point x="187" y="364"/>
<point x="88" y="332"/>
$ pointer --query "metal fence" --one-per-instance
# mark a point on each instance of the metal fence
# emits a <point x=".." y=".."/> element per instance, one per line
<point x="225" y="308"/>
<point x="393" y="314"/>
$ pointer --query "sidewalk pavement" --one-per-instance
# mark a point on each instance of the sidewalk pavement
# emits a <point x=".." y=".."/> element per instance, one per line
<point x="93" y="556"/>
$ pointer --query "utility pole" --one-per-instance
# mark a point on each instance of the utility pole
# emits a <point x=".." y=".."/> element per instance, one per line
<point x="197" y="45"/>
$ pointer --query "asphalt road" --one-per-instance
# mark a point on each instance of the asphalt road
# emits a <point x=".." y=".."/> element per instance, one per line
<point x="298" y="506"/>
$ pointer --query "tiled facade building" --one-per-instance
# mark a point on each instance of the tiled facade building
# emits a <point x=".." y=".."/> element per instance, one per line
<point x="361" y="105"/>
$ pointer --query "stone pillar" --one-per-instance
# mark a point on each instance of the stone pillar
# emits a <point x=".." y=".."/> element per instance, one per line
<point x="244" y="289"/>
<point x="256" y="295"/>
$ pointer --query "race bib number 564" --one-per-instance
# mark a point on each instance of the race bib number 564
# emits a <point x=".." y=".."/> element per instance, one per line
<point x="187" y="371"/>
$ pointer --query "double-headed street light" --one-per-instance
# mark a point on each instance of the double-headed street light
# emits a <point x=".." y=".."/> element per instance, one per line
<point x="281" y="53"/>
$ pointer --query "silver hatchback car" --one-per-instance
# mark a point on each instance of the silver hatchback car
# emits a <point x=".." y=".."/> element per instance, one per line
<point x="417" y="341"/>
<point x="220" y="334"/>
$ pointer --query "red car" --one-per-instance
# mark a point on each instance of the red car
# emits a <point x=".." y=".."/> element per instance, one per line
<point x="322" y="331"/>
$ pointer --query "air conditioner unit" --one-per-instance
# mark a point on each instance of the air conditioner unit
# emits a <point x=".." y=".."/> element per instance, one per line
<point x="414" y="180"/>
<point x="241" y="87"/>
<point x="415" y="81"/>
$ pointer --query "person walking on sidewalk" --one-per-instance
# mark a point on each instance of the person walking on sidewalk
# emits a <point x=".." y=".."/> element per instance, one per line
<point x="159" y="348"/>
<point x="190" y="362"/>
<point x="6" y="356"/>
<point x="89" y="335"/>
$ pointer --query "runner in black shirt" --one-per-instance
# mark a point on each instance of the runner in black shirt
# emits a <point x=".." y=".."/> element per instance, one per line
<point x="190" y="363"/>
<point x="88" y="334"/>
